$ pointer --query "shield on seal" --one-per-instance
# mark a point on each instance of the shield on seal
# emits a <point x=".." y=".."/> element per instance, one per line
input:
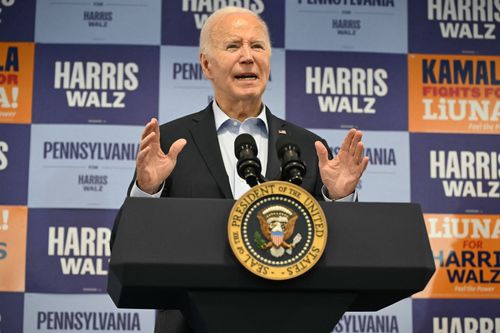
<point x="277" y="237"/>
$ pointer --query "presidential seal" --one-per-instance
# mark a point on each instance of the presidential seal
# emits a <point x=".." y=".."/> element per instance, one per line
<point x="277" y="230"/>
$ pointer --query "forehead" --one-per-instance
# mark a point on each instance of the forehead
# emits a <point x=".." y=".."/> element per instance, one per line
<point x="239" y="25"/>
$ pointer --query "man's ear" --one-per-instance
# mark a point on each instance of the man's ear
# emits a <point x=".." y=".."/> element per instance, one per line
<point x="205" y="66"/>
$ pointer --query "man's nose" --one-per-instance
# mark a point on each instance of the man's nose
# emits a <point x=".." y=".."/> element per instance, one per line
<point x="246" y="54"/>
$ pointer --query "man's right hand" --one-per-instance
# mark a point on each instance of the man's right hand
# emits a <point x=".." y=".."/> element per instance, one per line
<point x="152" y="165"/>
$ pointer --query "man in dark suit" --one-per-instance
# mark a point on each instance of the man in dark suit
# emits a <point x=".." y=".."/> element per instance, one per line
<point x="199" y="169"/>
<point x="235" y="55"/>
<point x="193" y="156"/>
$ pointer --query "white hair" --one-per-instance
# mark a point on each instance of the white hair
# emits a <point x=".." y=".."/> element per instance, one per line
<point x="208" y="27"/>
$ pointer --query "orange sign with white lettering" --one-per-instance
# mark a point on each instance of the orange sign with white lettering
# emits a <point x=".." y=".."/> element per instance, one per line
<point x="454" y="93"/>
<point x="13" y="226"/>
<point x="16" y="82"/>
<point x="466" y="251"/>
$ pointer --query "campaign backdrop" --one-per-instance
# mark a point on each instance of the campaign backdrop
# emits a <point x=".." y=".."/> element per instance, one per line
<point x="16" y="82"/>
<point x="83" y="313"/>
<point x="78" y="81"/>
<point x="11" y="312"/>
<point x="94" y="169"/>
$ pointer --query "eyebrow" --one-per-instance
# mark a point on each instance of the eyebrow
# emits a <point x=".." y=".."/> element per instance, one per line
<point x="238" y="39"/>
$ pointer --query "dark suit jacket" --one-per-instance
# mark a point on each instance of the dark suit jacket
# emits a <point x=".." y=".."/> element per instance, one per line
<point x="200" y="171"/>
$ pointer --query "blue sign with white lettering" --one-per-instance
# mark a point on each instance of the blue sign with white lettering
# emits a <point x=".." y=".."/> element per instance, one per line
<point x="17" y="20"/>
<point x="71" y="247"/>
<point x="14" y="162"/>
<point x="454" y="27"/>
<point x="344" y="90"/>
<point x="98" y="84"/>
<point x="455" y="315"/>
<point x="455" y="173"/>
<point x="11" y="312"/>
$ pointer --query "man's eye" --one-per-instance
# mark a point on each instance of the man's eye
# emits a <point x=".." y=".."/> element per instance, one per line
<point x="258" y="46"/>
<point x="232" y="46"/>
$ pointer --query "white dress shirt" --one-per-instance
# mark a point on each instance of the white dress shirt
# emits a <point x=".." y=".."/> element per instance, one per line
<point x="227" y="131"/>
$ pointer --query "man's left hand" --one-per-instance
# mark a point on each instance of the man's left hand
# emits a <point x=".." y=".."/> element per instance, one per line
<point x="341" y="174"/>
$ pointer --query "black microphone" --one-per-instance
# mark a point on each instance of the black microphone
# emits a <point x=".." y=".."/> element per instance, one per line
<point x="293" y="169"/>
<point x="248" y="165"/>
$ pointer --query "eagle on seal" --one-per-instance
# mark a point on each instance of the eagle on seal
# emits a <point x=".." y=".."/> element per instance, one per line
<point x="277" y="224"/>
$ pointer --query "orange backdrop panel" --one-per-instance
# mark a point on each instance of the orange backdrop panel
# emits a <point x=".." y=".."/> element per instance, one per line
<point x="466" y="252"/>
<point x="450" y="105"/>
<point x="16" y="82"/>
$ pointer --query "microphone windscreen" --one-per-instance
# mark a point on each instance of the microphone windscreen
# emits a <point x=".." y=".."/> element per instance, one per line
<point x="242" y="141"/>
<point x="283" y="142"/>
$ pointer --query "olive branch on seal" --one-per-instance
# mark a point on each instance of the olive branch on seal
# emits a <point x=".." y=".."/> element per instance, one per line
<point x="259" y="240"/>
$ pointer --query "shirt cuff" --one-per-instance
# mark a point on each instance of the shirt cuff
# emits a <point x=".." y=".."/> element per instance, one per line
<point x="350" y="198"/>
<point x="136" y="192"/>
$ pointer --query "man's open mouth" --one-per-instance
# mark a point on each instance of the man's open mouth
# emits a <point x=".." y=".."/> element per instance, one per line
<point x="246" y="76"/>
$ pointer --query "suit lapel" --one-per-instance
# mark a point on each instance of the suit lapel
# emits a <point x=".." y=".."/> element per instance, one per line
<point x="276" y="126"/>
<point x="205" y="138"/>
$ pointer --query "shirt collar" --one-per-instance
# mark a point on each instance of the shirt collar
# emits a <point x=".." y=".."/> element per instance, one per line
<point x="221" y="118"/>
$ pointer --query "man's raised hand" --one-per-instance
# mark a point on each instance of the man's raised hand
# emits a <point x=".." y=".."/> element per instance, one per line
<point x="341" y="174"/>
<point x="153" y="166"/>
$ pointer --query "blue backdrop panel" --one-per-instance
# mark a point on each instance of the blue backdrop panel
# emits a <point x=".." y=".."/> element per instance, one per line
<point x="451" y="315"/>
<point x="394" y="318"/>
<point x="17" y="20"/>
<point x="447" y="27"/>
<point x="344" y="90"/>
<point x="11" y="312"/>
<point x="389" y="166"/>
<point x="370" y="26"/>
<point x="102" y="22"/>
<point x="82" y="313"/>
<point x="14" y="162"/>
<point x="98" y="84"/>
<point x="68" y="250"/>
<point x="456" y="173"/>
<point x="87" y="171"/>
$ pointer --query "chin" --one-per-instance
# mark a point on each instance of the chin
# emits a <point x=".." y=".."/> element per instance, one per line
<point x="250" y="92"/>
<point x="249" y="96"/>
